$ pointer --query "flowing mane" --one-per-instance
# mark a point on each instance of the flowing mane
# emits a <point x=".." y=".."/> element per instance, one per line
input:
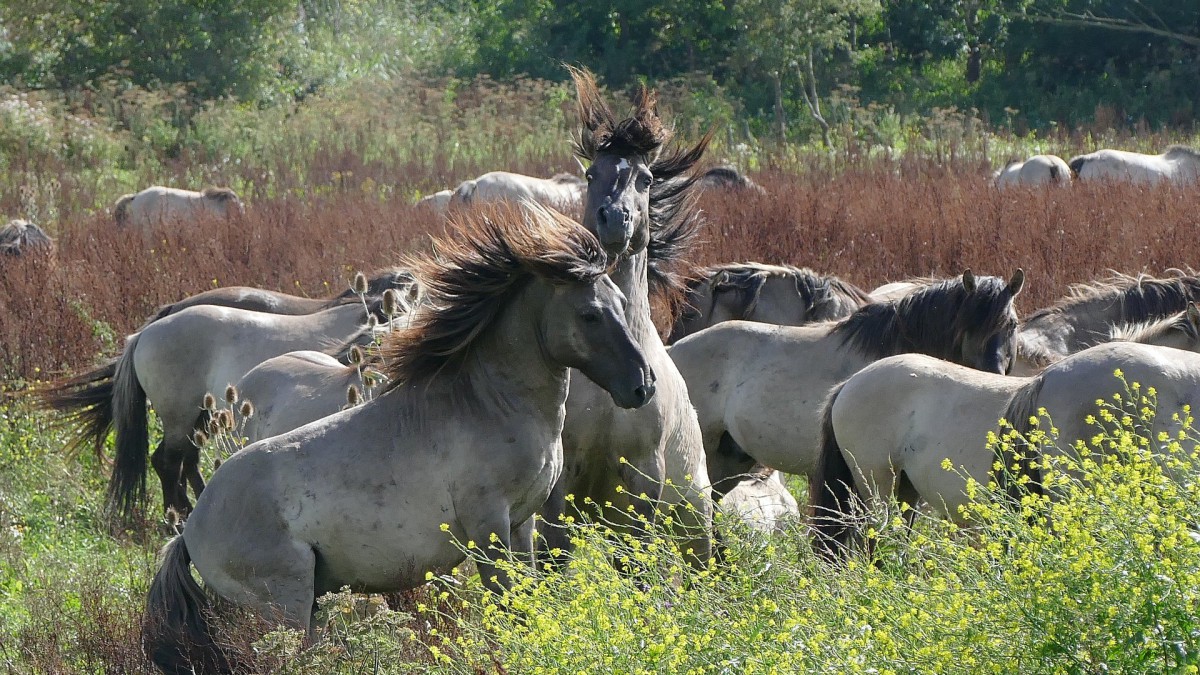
<point x="917" y="321"/>
<point x="1141" y="298"/>
<point x="1182" y="151"/>
<point x="469" y="278"/>
<point x="674" y="215"/>
<point x="220" y="194"/>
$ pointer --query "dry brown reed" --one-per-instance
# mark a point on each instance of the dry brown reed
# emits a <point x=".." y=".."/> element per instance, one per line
<point x="869" y="222"/>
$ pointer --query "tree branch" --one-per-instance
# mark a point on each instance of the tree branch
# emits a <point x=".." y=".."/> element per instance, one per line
<point x="1089" y="20"/>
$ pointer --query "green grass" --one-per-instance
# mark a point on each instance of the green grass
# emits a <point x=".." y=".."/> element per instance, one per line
<point x="1106" y="579"/>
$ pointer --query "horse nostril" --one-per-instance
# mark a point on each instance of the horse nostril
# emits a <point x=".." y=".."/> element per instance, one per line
<point x="644" y="393"/>
<point x="601" y="217"/>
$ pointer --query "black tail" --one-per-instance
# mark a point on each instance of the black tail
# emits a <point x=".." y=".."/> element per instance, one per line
<point x="176" y="634"/>
<point x="127" y="485"/>
<point x="831" y="491"/>
<point x="85" y="402"/>
<point x="1017" y="452"/>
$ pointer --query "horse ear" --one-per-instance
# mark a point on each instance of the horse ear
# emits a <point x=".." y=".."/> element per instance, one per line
<point x="1018" y="280"/>
<point x="1193" y="316"/>
<point x="968" y="280"/>
<point x="718" y="280"/>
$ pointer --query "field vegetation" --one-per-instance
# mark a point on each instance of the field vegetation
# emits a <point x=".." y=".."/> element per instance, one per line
<point x="342" y="117"/>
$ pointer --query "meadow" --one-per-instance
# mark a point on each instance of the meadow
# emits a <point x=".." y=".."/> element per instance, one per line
<point x="329" y="186"/>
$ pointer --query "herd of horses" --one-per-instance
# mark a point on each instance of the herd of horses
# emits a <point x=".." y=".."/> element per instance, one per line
<point x="465" y="418"/>
<point x="1178" y="164"/>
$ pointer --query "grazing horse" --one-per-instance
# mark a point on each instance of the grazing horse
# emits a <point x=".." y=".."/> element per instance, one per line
<point x="158" y="205"/>
<point x="1086" y="316"/>
<point x="889" y="429"/>
<point x="463" y="445"/>
<point x="174" y="362"/>
<point x="758" y="388"/>
<point x="19" y="236"/>
<point x="758" y="499"/>
<point x="778" y="294"/>
<point x="274" y="302"/>
<point x="1179" y="165"/>
<point x="1037" y="170"/>
<point x="726" y="177"/>
<point x="640" y="206"/>
<point x="562" y="191"/>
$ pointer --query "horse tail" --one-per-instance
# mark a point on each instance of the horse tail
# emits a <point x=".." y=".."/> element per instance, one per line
<point x="85" y="402"/>
<point x="1017" y="457"/>
<point x="1054" y="177"/>
<point x="127" y="486"/>
<point x="176" y="634"/>
<point x="121" y="209"/>
<point x="831" y="490"/>
<point x="1076" y="164"/>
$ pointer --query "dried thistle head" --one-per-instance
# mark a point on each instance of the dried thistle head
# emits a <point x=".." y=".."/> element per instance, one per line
<point x="199" y="438"/>
<point x="372" y="321"/>
<point x="210" y="402"/>
<point x="353" y="395"/>
<point x="390" y="303"/>
<point x="359" y="285"/>
<point x="212" y="426"/>
<point x="225" y="418"/>
<point x="231" y="394"/>
<point x="370" y="378"/>
<point x="247" y="410"/>
<point x="216" y="463"/>
<point x="356" y="355"/>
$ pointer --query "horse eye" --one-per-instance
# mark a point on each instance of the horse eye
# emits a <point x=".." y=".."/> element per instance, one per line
<point x="591" y="318"/>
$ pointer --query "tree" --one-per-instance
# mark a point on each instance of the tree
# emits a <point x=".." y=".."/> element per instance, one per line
<point x="215" y="47"/>
<point x="791" y="36"/>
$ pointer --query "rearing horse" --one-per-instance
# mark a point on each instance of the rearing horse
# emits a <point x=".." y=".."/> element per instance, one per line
<point x="640" y="205"/>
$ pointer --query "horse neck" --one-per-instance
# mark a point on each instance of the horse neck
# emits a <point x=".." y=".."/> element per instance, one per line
<point x="508" y="370"/>
<point x="630" y="275"/>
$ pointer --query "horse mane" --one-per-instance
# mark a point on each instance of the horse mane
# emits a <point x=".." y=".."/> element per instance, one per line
<point x="1142" y="298"/>
<point x="823" y="295"/>
<point x="121" y="208"/>
<point x="674" y="214"/>
<point x="1038" y="356"/>
<point x="916" y="322"/>
<point x="220" y="194"/>
<point x="1147" y="331"/>
<point x="19" y="235"/>
<point x="1186" y="151"/>
<point x="470" y="278"/>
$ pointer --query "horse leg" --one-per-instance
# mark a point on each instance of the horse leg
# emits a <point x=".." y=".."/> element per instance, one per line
<point x="169" y="474"/>
<point x="492" y="532"/>
<point x="552" y="534"/>
<point x="191" y="470"/>
<point x="522" y="542"/>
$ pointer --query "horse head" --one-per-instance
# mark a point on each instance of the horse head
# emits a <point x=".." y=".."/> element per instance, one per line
<point x="986" y="329"/>
<point x="621" y="151"/>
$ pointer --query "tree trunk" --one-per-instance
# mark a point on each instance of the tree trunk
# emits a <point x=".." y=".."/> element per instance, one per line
<point x="780" y="118"/>
<point x="808" y="81"/>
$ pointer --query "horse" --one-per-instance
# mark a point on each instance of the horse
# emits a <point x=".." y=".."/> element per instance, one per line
<point x="640" y="204"/>
<point x="759" y="499"/>
<point x="174" y="362"/>
<point x="758" y="388"/>
<point x="727" y="177"/>
<point x="562" y="191"/>
<point x="890" y="428"/>
<point x="464" y="444"/>
<point x="1086" y="315"/>
<point x="19" y="236"/>
<point x="1178" y="164"/>
<point x="1037" y="170"/>
<point x="778" y="294"/>
<point x="158" y="205"/>
<point x="274" y="302"/>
